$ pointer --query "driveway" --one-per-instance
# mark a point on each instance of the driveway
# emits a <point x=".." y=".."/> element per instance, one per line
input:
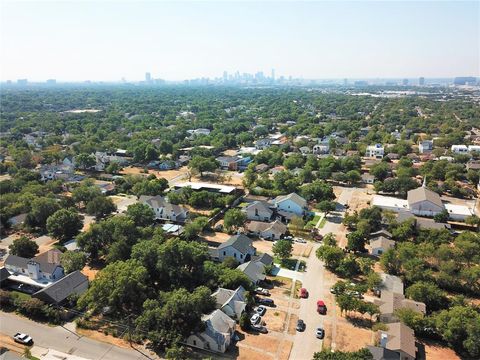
<point x="61" y="339"/>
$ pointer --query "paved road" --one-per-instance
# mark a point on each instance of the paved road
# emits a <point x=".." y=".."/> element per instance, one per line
<point x="61" y="339"/>
<point x="305" y="343"/>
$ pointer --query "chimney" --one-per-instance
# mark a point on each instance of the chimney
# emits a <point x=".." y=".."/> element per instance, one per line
<point x="33" y="270"/>
<point x="383" y="340"/>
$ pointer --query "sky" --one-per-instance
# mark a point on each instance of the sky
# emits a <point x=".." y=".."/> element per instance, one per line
<point x="110" y="40"/>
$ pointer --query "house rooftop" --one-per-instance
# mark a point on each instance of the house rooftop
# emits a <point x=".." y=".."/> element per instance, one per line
<point x="423" y="194"/>
<point x="239" y="242"/>
<point x="61" y="289"/>
<point x="401" y="337"/>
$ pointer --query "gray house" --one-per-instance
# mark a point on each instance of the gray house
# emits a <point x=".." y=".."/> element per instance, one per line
<point x="259" y="211"/>
<point x="58" y="292"/>
<point x="389" y="302"/>
<point x="163" y="209"/>
<point x="231" y="302"/>
<point x="238" y="246"/>
<point x="218" y="334"/>
<point x="424" y="202"/>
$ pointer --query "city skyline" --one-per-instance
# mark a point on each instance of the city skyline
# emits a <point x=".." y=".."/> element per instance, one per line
<point x="178" y="41"/>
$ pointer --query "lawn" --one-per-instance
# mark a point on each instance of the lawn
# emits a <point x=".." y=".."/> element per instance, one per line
<point x="290" y="264"/>
<point x="311" y="224"/>
<point x="322" y="223"/>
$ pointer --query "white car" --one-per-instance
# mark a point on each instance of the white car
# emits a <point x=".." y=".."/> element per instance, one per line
<point x="300" y="240"/>
<point x="320" y="333"/>
<point x="255" y="319"/>
<point x="22" y="339"/>
<point x="262" y="291"/>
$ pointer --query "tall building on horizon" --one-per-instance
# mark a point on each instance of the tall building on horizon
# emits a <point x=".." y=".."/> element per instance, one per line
<point x="148" y="77"/>
<point x="22" y="81"/>
<point x="421" y="81"/>
<point x="273" y="74"/>
<point x="51" y="81"/>
<point x="405" y="82"/>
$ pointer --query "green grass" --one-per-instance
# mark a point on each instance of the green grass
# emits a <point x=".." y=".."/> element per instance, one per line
<point x="322" y="223"/>
<point x="20" y="295"/>
<point x="311" y="224"/>
<point x="290" y="264"/>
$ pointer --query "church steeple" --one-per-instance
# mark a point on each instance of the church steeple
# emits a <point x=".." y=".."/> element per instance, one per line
<point x="424" y="182"/>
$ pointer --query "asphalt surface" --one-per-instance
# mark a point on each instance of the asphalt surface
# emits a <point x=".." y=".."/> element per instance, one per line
<point x="64" y="340"/>
<point x="306" y="343"/>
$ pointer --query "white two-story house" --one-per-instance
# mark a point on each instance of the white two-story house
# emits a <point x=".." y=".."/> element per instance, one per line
<point x="290" y="205"/>
<point x="163" y="209"/>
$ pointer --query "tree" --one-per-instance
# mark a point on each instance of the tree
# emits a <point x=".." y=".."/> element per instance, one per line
<point x="85" y="193"/>
<point x="329" y="239"/>
<point x="42" y="208"/>
<point x="353" y="176"/>
<point x="428" y="293"/>
<point x="85" y="161"/>
<point x="192" y="229"/>
<point x="141" y="214"/>
<point x="113" y="168"/>
<point x="297" y="224"/>
<point x="318" y="190"/>
<point x="356" y="241"/>
<point x="441" y="217"/>
<point x="460" y="327"/>
<point x="73" y="260"/>
<point x="380" y="170"/>
<point x="64" y="224"/>
<point x="327" y="354"/>
<point x="331" y="255"/>
<point x="326" y="206"/>
<point x="390" y="262"/>
<point x="373" y="280"/>
<point x="202" y="164"/>
<point x="234" y="219"/>
<point x="23" y="247"/>
<point x="283" y="249"/>
<point x="244" y="322"/>
<point x="121" y="286"/>
<point x="100" y="207"/>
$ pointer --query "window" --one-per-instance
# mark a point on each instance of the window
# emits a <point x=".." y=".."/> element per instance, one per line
<point x="256" y="212"/>
<point x="224" y="253"/>
<point x="241" y="256"/>
<point x="235" y="255"/>
<point x="194" y="342"/>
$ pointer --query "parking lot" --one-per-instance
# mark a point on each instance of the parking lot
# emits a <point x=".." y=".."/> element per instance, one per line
<point x="279" y="320"/>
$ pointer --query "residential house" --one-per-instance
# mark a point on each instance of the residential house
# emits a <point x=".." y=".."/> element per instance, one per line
<point x="255" y="271"/>
<point x="474" y="148"/>
<point x="381" y="232"/>
<point x="163" y="209"/>
<point x="238" y="246"/>
<point x="425" y="146"/>
<point x="271" y="231"/>
<point x="290" y="205"/>
<point x="59" y="291"/>
<point x="262" y="144"/>
<point x="40" y="271"/>
<point x="231" y="302"/>
<point x="233" y="163"/>
<point x="261" y="168"/>
<point x="389" y="302"/>
<point x="319" y="149"/>
<point x="218" y="334"/>
<point x="391" y="283"/>
<point x="399" y="339"/>
<point x="305" y="150"/>
<point x="424" y="202"/>
<point x="259" y="211"/>
<point x="54" y="172"/>
<point x="393" y="156"/>
<point x="197" y="132"/>
<point x="368" y="178"/>
<point x="380" y="244"/>
<point x="375" y="151"/>
<point x="459" y="149"/>
<point x="473" y="165"/>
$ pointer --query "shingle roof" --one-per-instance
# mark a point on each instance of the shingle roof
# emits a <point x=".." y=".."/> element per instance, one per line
<point x="381" y="242"/>
<point x="423" y="194"/>
<point x="265" y="259"/>
<point x="390" y="301"/>
<point x="260" y="205"/>
<point x="4" y="274"/>
<point x="253" y="269"/>
<point x="383" y="232"/>
<point x="48" y="261"/>
<point x="61" y="289"/>
<point x="293" y="197"/>
<point x="160" y="202"/>
<point x="380" y="353"/>
<point x="401" y="337"/>
<point x="239" y="242"/>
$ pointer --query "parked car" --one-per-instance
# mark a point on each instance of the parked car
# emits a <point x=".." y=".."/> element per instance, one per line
<point x="300" y="325"/>
<point x="261" y="310"/>
<point x="23" y="339"/>
<point x="259" y="328"/>
<point x="255" y="319"/>
<point x="267" y="302"/>
<point x="303" y="293"/>
<point x="320" y="333"/>
<point x="300" y="240"/>
<point x="262" y="291"/>
<point x="321" y="307"/>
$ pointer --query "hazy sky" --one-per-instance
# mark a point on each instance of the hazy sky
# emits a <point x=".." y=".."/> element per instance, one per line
<point x="108" y="40"/>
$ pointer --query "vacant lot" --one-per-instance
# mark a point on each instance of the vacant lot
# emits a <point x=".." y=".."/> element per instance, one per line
<point x="167" y="174"/>
<point x="275" y="320"/>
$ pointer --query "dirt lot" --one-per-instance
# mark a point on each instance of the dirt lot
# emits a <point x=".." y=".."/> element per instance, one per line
<point x="7" y="342"/>
<point x="275" y="320"/>
<point x="215" y="238"/>
<point x="263" y="342"/>
<point x="89" y="272"/>
<point x="167" y="174"/>
<point x="292" y="326"/>
<point x="436" y="352"/>
<point x="351" y="338"/>
<point x="265" y="246"/>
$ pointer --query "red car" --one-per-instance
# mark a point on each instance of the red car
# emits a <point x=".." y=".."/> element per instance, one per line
<point x="303" y="293"/>
<point x="321" y="307"/>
